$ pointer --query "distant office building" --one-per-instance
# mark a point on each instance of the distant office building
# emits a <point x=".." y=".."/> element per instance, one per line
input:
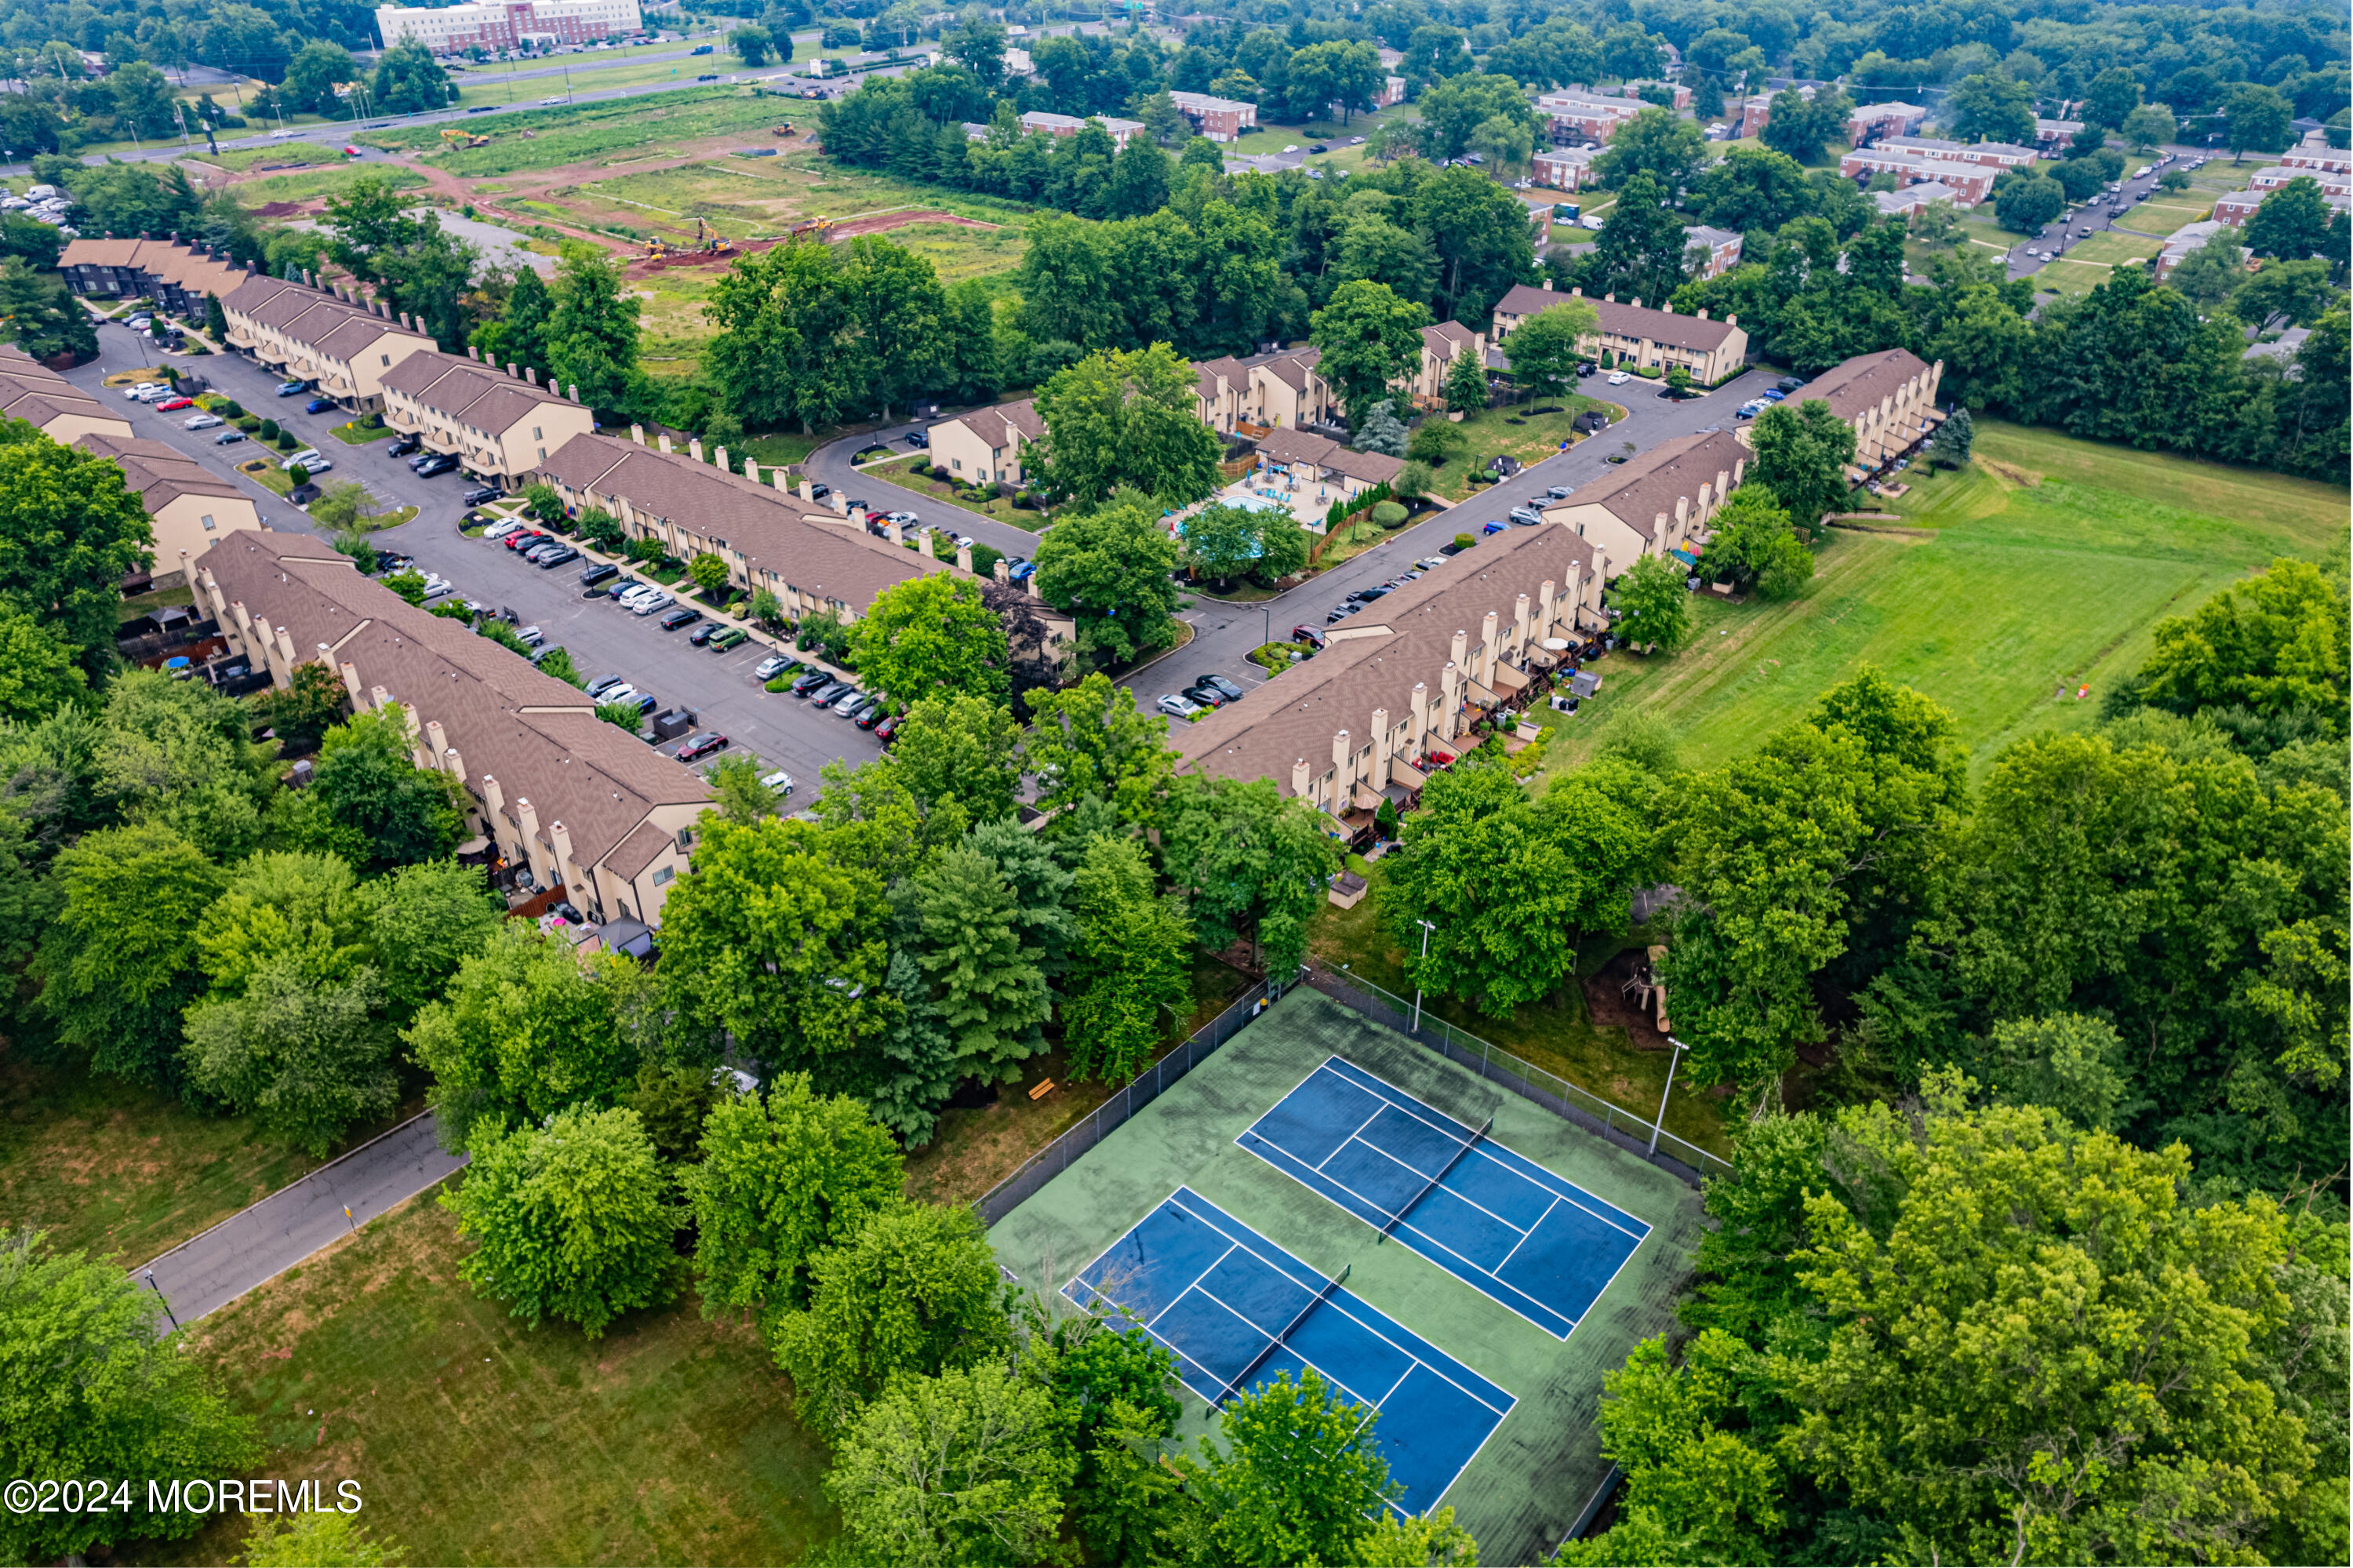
<point x="509" y="24"/>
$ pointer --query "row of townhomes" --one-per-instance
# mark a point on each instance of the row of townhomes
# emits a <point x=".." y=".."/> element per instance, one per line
<point x="1395" y="694"/>
<point x="582" y="805"/>
<point x="1644" y="338"/>
<point x="178" y="276"/>
<point x="328" y="336"/>
<point x="500" y="424"/>
<point x="188" y="508"/>
<point x="2330" y="170"/>
<point x="816" y="561"/>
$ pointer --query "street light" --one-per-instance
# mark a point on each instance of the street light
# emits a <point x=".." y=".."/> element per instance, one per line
<point x="149" y="1275"/>
<point x="1426" y="930"/>
<point x="1672" y="1061"/>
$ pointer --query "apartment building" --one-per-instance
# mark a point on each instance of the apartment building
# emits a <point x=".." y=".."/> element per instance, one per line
<point x="1394" y="695"/>
<point x="1071" y="124"/>
<point x="1267" y="390"/>
<point x="2185" y="240"/>
<point x="2051" y="136"/>
<point x="1879" y="121"/>
<point x="1723" y="249"/>
<point x="2240" y="206"/>
<point x="500" y="425"/>
<point x="1710" y="350"/>
<point x="52" y="405"/>
<point x="2323" y="163"/>
<point x="1218" y="119"/>
<point x="1677" y="91"/>
<point x="1563" y="168"/>
<point x="322" y="335"/>
<point x="176" y="275"/>
<point x="1576" y="117"/>
<point x="1753" y="112"/>
<point x="566" y="800"/>
<point x="2333" y="179"/>
<point x="1911" y="198"/>
<point x="509" y="24"/>
<point x="1442" y="345"/>
<point x="1889" y="398"/>
<point x="984" y="446"/>
<point x="1338" y="472"/>
<point x="1981" y="154"/>
<point x="816" y="561"/>
<point x="188" y="508"/>
<point x="1970" y="183"/>
<point x="1656" y="503"/>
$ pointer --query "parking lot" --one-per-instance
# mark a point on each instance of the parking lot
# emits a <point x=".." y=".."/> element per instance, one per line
<point x="602" y="638"/>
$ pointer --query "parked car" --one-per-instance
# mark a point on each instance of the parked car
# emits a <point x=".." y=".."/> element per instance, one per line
<point x="644" y="702"/>
<point x="312" y="459"/>
<point x="292" y="388"/>
<point x="873" y="715"/>
<point x="826" y="693"/>
<point x="526" y="538"/>
<point x="888" y="729"/>
<point x="852" y="705"/>
<point x="563" y="554"/>
<point x="1492" y="526"/>
<point x="1176" y="707"/>
<point x="174" y="405"/>
<point x="137" y="391"/>
<point x="1231" y="691"/>
<point x="1526" y="516"/>
<point x="779" y="783"/>
<point x="1020" y="568"/>
<point x="1431" y="563"/>
<point x="597" y="572"/>
<point x="435" y="466"/>
<point x="228" y="438"/>
<point x="651" y="603"/>
<point x="918" y="439"/>
<point x="1619" y="377"/>
<point x="727" y="637"/>
<point x="531" y="636"/>
<point x="770" y="668"/>
<point x="810" y="682"/>
<point x="504" y="528"/>
<point x="202" y="422"/>
<point x="318" y="405"/>
<point x="684" y="615"/>
<point x="408" y="444"/>
<point x="556" y="98"/>
<point x="701" y="746"/>
<point x="479" y="494"/>
<point x="1773" y="395"/>
<point x="617" y="590"/>
<point x="1205" y="696"/>
<point x="603" y="684"/>
<point x="537" y="554"/>
<point x="1308" y="634"/>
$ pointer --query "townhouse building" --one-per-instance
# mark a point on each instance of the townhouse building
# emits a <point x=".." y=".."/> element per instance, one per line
<point x="1071" y="124"/>
<point x="1563" y="168"/>
<point x="2051" y="136"/>
<point x="1271" y="391"/>
<point x="507" y="23"/>
<point x="2321" y="162"/>
<point x="189" y="509"/>
<point x="2334" y="179"/>
<point x="2240" y="206"/>
<point x="1576" y="117"/>
<point x="1889" y="398"/>
<point x="565" y="801"/>
<point x="52" y="405"/>
<point x="1911" y="198"/>
<point x="816" y="561"/>
<point x="1338" y="472"/>
<point x="322" y="335"/>
<point x="984" y="446"/>
<point x="1442" y="344"/>
<point x="1641" y="337"/>
<point x="1880" y="121"/>
<point x="2185" y="240"/>
<point x="1970" y="183"/>
<point x="177" y="275"/>
<point x="1394" y="695"/>
<point x="1722" y="247"/>
<point x="1753" y="112"/>
<point x="1655" y="503"/>
<point x="1981" y="154"/>
<point x="1218" y="119"/>
<point x="500" y="426"/>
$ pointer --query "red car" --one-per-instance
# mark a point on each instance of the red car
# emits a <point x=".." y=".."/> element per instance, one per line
<point x="524" y="540"/>
<point x="886" y="730"/>
<point x="701" y="746"/>
<point x="170" y="405"/>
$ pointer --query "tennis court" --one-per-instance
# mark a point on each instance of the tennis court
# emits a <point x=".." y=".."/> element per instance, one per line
<point x="1540" y="1246"/>
<point x="1238" y="1310"/>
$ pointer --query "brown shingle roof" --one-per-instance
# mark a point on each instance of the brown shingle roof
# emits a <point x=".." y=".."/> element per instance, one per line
<point x="1862" y="382"/>
<point x="1637" y="490"/>
<point x="158" y="472"/>
<point x="1447" y="339"/>
<point x="467" y="393"/>
<point x="1000" y="426"/>
<point x="539" y="736"/>
<point x="1286" y="445"/>
<point x="1625" y="319"/>
<point x="31" y="391"/>
<point x="315" y="317"/>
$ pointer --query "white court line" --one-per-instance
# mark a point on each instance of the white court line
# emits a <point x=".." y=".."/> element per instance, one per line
<point x="1342" y="1144"/>
<point x="1195" y="1283"/>
<point x="1354" y="1396"/>
<point x="1440" y="1187"/>
<point x="1525" y="1235"/>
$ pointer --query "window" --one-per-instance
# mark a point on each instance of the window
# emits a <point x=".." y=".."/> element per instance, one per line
<point x="543" y="454"/>
<point x="686" y="838"/>
<point x="536" y="436"/>
<point x="207" y="520"/>
<point x="662" y="875"/>
<point x="957" y="464"/>
<point x="385" y="358"/>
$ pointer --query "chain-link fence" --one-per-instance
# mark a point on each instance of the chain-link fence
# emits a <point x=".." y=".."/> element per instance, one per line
<point x="1141" y="1090"/>
<point x="1628" y="1129"/>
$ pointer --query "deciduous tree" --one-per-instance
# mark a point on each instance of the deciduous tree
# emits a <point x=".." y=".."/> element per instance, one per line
<point x="1546" y="349"/>
<point x="1249" y="861"/>
<point x="69" y="531"/>
<point x="1130" y="968"/>
<point x="1366" y="340"/>
<point x="1109" y="570"/>
<point x="1802" y="456"/>
<point x="1121" y="419"/>
<point x="1652" y="597"/>
<point x="118" y="963"/>
<point x="931" y="636"/>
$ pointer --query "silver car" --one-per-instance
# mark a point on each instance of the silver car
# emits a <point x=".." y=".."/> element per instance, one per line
<point x="649" y="603"/>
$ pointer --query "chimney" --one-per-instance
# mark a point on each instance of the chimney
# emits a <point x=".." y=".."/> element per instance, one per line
<point x="1487" y="640"/>
<point x="1546" y="285"/>
<point x="781" y="479"/>
<point x="527" y="815"/>
<point x="560" y="837"/>
<point x="1732" y="321"/>
<point x="455" y="763"/>
<point x="695" y="448"/>
<point x="531" y="376"/>
<point x="1004" y="573"/>
<point x="404" y="322"/>
<point x="496" y="799"/>
<point x="377" y="698"/>
<point x="1420" y="716"/>
<point x="892" y="531"/>
<point x="964" y="556"/>
<point x="472" y="353"/>
<point x="286" y="651"/>
<point x="1460" y="649"/>
<point x="808" y="492"/>
<point x="574" y="390"/>
<point x="1703" y="313"/>
<point x="719" y="456"/>
<point x="1340" y="750"/>
<point x="308" y="280"/>
<point x="839" y="502"/>
<point x="1611" y="297"/>
<point x="1299" y="778"/>
<point x="637" y="434"/>
<point x="1577" y="293"/>
<point x="437" y="738"/>
<point x="751" y="470"/>
<point x="1637" y="303"/>
<point x="1669" y="307"/>
<point x="662" y="441"/>
<point x="1520" y="622"/>
<point x="514" y="371"/>
<point x="352" y="685"/>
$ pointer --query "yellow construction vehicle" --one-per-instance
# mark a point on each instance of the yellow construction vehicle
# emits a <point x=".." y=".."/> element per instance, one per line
<point x="812" y="228"/>
<point x="655" y="249"/>
<point x="464" y="139"/>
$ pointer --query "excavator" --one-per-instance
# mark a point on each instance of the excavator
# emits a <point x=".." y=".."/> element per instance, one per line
<point x="464" y="139"/>
<point x="811" y="229"/>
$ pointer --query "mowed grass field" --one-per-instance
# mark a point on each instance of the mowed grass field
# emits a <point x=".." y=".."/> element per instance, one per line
<point x="589" y="133"/>
<point x="2091" y="262"/>
<point x="2048" y="564"/>
<point x="476" y="1438"/>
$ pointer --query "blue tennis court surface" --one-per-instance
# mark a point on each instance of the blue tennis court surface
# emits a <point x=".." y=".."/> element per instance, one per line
<point x="1235" y="1307"/>
<point x="1541" y="1246"/>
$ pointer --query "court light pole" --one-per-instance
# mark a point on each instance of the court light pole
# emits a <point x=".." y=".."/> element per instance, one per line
<point x="1426" y="930"/>
<point x="149" y="1275"/>
<point x="1661" y="1122"/>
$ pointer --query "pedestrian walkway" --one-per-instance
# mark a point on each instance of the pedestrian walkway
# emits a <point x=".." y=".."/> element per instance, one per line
<point x="253" y="1245"/>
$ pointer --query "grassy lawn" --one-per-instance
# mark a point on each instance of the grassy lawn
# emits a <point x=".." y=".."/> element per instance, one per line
<point x="1495" y="433"/>
<point x="122" y="1172"/>
<point x="2093" y="262"/>
<point x="1557" y="1035"/>
<point x="584" y="133"/>
<point x="479" y="1439"/>
<point x="1001" y="508"/>
<point x="2162" y="217"/>
<point x="315" y="184"/>
<point x="353" y="434"/>
<point x="975" y="1149"/>
<point x="2051" y="561"/>
<point x="238" y="160"/>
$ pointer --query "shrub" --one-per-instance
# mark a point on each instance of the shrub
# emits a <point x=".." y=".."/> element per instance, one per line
<point x="1389" y="515"/>
<point x="231" y="409"/>
<point x="269" y="430"/>
<point x="1463" y="541"/>
<point x="286" y="441"/>
<point x="248" y="424"/>
<point x="922" y="466"/>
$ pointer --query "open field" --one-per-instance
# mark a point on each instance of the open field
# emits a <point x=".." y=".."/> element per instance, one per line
<point x="2165" y="212"/>
<point x="124" y="1173"/>
<point x="2051" y="560"/>
<point x="479" y="1439"/>
<point x="2091" y="262"/>
<point x="241" y="160"/>
<point x="587" y="132"/>
<point x="316" y="185"/>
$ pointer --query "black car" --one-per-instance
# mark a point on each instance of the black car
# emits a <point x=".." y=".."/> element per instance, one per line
<point x="563" y="554"/>
<point x="597" y="572"/>
<point x="1207" y="697"/>
<point x="832" y="689"/>
<point x="407" y="445"/>
<point x="1220" y="683"/>
<point x="809" y="681"/>
<point x="684" y="615"/>
<point x="918" y="439"/>
<point x="480" y="493"/>
<point x="435" y="466"/>
<point x="702" y="634"/>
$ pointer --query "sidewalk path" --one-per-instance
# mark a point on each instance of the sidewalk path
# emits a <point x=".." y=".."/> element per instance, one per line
<point x="209" y="1271"/>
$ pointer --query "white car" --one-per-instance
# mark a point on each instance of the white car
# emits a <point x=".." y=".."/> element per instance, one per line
<point x="779" y="783"/>
<point x="311" y="460"/>
<point x="153" y="392"/>
<point x="1619" y="377"/>
<point x="1176" y="707"/>
<point x="202" y="422"/>
<point x="143" y="391"/>
<point x="620" y="694"/>
<point x="531" y="636"/>
<point x="650" y="603"/>
<point x="501" y="530"/>
<point x="546" y="101"/>
<point x="629" y="597"/>
<point x="1431" y="563"/>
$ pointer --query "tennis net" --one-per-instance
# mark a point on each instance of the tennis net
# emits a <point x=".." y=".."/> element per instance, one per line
<point x="1242" y="1379"/>
<point x="1466" y="1147"/>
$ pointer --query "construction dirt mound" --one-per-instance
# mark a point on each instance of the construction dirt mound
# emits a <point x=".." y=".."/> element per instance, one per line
<point x="846" y="228"/>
